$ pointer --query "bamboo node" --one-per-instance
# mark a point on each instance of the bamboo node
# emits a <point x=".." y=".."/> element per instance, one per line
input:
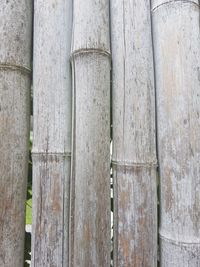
<point x="128" y="164"/>
<point x="8" y="66"/>
<point x="43" y="153"/>
<point x="178" y="242"/>
<point x="172" y="1"/>
<point x="90" y="51"/>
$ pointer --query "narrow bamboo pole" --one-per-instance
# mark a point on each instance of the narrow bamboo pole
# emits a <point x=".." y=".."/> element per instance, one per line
<point x="15" y="82"/>
<point x="52" y="132"/>
<point x="134" y="154"/>
<point x="177" y="57"/>
<point x="90" y="210"/>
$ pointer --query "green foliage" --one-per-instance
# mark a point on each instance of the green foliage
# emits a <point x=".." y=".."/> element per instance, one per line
<point x="29" y="207"/>
<point x="27" y="248"/>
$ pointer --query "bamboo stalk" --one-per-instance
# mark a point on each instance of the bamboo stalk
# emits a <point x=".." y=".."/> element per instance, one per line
<point x="134" y="151"/>
<point x="52" y="132"/>
<point x="15" y="83"/>
<point x="90" y="203"/>
<point x="177" y="57"/>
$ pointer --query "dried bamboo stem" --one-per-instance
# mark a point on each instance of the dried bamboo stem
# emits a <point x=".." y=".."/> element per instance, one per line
<point x="90" y="207"/>
<point x="134" y="151"/>
<point x="15" y="82"/>
<point x="52" y="132"/>
<point x="177" y="57"/>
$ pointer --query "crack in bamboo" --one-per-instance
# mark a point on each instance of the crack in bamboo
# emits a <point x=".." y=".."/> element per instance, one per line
<point x="15" y="67"/>
<point x="172" y="1"/>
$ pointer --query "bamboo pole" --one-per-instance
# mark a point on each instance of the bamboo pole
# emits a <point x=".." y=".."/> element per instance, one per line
<point x="15" y="83"/>
<point x="90" y="206"/>
<point x="177" y="57"/>
<point x="52" y="132"/>
<point x="134" y="153"/>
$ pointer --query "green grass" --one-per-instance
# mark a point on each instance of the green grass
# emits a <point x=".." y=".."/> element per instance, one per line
<point x="29" y="209"/>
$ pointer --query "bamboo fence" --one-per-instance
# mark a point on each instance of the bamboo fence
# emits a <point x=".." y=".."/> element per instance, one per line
<point x="121" y="74"/>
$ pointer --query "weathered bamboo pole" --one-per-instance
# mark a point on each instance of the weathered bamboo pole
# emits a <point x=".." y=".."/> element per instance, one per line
<point x="134" y="154"/>
<point x="177" y="56"/>
<point x="90" y="210"/>
<point x="52" y="132"/>
<point x="15" y="83"/>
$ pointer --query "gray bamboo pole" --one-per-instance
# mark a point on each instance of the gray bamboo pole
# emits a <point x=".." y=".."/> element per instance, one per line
<point x="52" y="132"/>
<point x="90" y="207"/>
<point x="134" y="151"/>
<point x="177" y="57"/>
<point x="15" y="83"/>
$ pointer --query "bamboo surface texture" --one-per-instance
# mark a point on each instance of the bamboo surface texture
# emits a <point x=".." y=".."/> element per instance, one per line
<point x="90" y="188"/>
<point x="176" y="34"/>
<point x="52" y="132"/>
<point x="71" y="195"/>
<point x="15" y="77"/>
<point x="134" y="151"/>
